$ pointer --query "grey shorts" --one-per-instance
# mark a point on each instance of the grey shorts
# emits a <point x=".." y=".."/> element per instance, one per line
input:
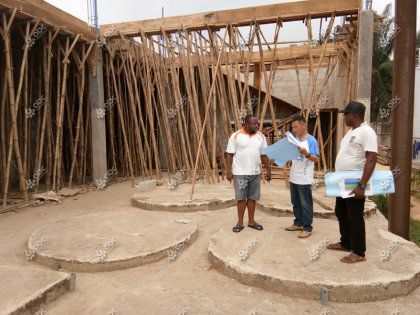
<point x="247" y="187"/>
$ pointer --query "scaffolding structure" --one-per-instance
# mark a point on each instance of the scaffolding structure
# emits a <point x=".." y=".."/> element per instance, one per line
<point x="158" y="96"/>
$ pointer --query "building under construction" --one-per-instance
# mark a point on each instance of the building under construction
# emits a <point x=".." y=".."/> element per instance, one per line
<point x="128" y="125"/>
<point x="163" y="95"/>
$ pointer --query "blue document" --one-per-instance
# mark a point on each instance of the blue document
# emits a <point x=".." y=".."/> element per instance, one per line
<point x="282" y="151"/>
<point x="341" y="184"/>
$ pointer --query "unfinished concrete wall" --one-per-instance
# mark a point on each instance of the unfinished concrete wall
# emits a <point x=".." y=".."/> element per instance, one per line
<point x="285" y="86"/>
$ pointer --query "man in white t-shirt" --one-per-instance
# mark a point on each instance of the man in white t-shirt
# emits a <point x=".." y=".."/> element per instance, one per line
<point x="301" y="178"/>
<point x="243" y="158"/>
<point x="358" y="152"/>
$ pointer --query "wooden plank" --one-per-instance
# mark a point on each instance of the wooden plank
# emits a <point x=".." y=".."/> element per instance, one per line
<point x="281" y="54"/>
<point x="49" y="15"/>
<point x="291" y="11"/>
<point x="291" y="64"/>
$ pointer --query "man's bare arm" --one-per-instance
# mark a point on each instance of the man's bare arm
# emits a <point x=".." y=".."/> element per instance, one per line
<point x="266" y="162"/>
<point x="369" y="167"/>
<point x="367" y="173"/>
<point x="312" y="158"/>
<point x="229" y="161"/>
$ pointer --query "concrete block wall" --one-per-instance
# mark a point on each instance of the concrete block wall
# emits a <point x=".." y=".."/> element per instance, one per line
<point x="285" y="86"/>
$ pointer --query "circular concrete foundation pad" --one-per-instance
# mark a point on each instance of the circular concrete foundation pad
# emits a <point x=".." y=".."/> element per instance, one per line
<point x="110" y="240"/>
<point x="206" y="197"/>
<point x="283" y="263"/>
<point x="276" y="201"/>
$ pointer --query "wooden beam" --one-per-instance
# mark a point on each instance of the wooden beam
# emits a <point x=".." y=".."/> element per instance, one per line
<point x="291" y="11"/>
<point x="49" y="15"/>
<point x="281" y="54"/>
<point x="290" y="64"/>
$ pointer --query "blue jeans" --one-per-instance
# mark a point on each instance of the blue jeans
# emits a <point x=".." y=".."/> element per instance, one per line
<point x="303" y="207"/>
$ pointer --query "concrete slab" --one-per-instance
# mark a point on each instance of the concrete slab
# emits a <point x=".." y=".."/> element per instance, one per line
<point x="276" y="201"/>
<point x="282" y="263"/>
<point x="146" y="185"/>
<point x="206" y="197"/>
<point x="187" y="285"/>
<point x="110" y="240"/>
<point x="25" y="290"/>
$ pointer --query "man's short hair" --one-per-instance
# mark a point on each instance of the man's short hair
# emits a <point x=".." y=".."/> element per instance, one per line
<point x="299" y="118"/>
<point x="247" y="118"/>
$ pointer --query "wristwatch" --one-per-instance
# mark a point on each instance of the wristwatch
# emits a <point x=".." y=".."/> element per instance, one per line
<point x="361" y="186"/>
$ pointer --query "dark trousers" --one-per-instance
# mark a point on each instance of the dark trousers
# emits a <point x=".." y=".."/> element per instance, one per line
<point x="349" y="212"/>
<point x="303" y="207"/>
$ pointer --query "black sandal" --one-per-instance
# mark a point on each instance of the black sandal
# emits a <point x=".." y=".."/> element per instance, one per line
<point x="256" y="226"/>
<point x="237" y="228"/>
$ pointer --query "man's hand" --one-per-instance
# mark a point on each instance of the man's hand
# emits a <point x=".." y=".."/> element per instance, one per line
<point x="358" y="192"/>
<point x="303" y="151"/>
<point x="229" y="176"/>
<point x="268" y="175"/>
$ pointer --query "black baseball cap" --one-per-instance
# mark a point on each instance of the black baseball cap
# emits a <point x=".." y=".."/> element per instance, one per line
<point x="354" y="107"/>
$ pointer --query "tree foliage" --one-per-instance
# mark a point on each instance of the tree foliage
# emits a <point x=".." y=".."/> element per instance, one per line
<point x="383" y="45"/>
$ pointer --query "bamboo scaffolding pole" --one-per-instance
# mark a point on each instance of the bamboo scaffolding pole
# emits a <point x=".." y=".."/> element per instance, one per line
<point x="80" y="89"/>
<point x="268" y="82"/>
<point x="121" y="119"/>
<point x="206" y="116"/>
<point x="14" y="106"/>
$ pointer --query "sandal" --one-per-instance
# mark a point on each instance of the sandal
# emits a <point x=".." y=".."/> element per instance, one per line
<point x="256" y="226"/>
<point x="338" y="246"/>
<point x="352" y="259"/>
<point x="237" y="228"/>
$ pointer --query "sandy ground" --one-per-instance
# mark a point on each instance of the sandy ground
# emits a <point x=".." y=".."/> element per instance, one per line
<point x="186" y="286"/>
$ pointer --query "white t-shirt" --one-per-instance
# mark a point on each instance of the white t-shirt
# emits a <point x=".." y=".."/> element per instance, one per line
<point x="302" y="170"/>
<point x="247" y="150"/>
<point x="353" y="147"/>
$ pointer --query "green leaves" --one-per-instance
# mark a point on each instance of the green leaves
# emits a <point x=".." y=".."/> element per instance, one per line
<point x="383" y="45"/>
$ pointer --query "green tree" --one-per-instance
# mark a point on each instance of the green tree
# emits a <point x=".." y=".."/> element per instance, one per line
<point x="383" y="45"/>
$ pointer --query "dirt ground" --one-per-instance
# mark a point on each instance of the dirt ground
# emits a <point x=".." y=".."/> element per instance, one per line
<point x="187" y="285"/>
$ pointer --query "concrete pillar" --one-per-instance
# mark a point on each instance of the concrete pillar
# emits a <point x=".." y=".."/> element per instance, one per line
<point x="98" y="112"/>
<point x="339" y="83"/>
<point x="364" y="60"/>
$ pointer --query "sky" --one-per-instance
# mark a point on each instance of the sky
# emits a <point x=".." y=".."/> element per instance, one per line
<point x="114" y="11"/>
